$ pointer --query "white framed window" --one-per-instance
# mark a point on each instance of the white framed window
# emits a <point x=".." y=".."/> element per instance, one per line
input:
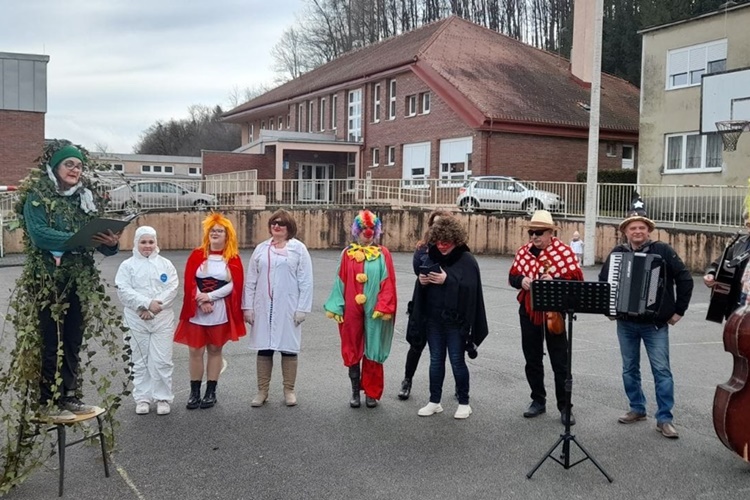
<point x="411" y="105"/>
<point x="425" y="102"/>
<point x="271" y="124"/>
<point x="375" y="102"/>
<point x="416" y="164"/>
<point x="686" y="65"/>
<point x="354" y="121"/>
<point x="322" y="114"/>
<point x="693" y="152"/>
<point x="194" y="171"/>
<point x="455" y="161"/>
<point x="168" y="169"/>
<point x="611" y="149"/>
<point x="288" y="119"/>
<point x="281" y="122"/>
<point x="263" y="125"/>
<point x="156" y="169"/>
<point x="300" y="113"/>
<point x="251" y="132"/>
<point x="392" y="99"/>
<point x="145" y="169"/>
<point x="390" y="153"/>
<point x="310" y="116"/>
<point x="334" y="113"/>
<point x="375" y="154"/>
<point x="118" y="167"/>
<point x="351" y="171"/>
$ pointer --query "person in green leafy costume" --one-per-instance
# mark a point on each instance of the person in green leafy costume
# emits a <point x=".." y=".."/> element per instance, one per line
<point x="58" y="310"/>
<point x="57" y="207"/>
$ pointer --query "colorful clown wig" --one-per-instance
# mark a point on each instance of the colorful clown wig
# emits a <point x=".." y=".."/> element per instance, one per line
<point x="367" y="221"/>
<point x="231" y="248"/>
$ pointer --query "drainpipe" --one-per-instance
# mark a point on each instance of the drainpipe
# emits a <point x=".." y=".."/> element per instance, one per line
<point x="487" y="149"/>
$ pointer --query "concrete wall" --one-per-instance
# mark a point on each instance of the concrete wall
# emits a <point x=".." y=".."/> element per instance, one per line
<point x="324" y="229"/>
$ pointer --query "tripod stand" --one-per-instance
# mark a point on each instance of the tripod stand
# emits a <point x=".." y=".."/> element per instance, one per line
<point x="569" y="297"/>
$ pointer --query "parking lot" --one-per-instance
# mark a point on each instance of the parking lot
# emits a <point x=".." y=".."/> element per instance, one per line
<point x="322" y="449"/>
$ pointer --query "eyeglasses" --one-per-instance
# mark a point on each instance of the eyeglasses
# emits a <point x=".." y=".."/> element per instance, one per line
<point x="279" y="223"/>
<point x="71" y="165"/>
<point x="537" y="232"/>
<point x="217" y="231"/>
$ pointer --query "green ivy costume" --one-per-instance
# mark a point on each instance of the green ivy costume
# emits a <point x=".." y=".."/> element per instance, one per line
<point x="59" y="306"/>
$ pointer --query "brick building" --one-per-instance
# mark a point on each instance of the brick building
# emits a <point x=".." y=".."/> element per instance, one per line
<point x="23" y="103"/>
<point x="446" y="101"/>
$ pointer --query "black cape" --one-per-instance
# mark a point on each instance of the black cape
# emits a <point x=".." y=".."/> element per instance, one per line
<point x="461" y="292"/>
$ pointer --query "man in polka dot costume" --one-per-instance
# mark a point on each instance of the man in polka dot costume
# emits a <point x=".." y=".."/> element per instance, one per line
<point x="543" y="257"/>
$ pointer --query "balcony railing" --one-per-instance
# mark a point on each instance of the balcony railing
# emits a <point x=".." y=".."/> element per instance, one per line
<point x="716" y="206"/>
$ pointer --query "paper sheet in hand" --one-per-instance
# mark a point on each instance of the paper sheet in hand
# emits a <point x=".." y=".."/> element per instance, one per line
<point x="83" y="238"/>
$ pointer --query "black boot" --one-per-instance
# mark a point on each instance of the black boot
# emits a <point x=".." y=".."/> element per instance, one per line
<point x="194" y="400"/>
<point x="370" y="402"/>
<point x="405" y="389"/>
<point x="355" y="402"/>
<point x="209" y="399"/>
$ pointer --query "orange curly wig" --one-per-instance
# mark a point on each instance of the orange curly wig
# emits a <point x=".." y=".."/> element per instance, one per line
<point x="231" y="248"/>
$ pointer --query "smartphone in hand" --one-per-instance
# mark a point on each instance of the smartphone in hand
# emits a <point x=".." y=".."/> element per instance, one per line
<point x="427" y="269"/>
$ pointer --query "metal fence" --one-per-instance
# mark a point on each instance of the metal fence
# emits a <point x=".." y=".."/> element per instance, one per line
<point x="675" y="205"/>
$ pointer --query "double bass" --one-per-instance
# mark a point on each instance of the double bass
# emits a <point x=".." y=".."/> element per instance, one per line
<point x="732" y="398"/>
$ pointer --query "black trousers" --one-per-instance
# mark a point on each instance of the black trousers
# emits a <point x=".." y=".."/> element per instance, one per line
<point x="71" y="335"/>
<point x="412" y="360"/>
<point x="532" y="343"/>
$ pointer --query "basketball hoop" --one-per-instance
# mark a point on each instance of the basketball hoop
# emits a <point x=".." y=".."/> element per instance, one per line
<point x="730" y="132"/>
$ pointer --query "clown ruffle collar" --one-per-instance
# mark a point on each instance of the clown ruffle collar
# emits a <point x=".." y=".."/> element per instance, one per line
<point x="360" y="253"/>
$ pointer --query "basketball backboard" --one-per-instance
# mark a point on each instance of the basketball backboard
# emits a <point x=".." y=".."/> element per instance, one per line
<point x="725" y="96"/>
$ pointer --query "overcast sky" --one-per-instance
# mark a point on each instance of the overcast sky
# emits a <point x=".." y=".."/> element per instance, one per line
<point x="117" y="66"/>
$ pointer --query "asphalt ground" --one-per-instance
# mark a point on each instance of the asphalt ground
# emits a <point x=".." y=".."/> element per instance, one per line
<point x="322" y="449"/>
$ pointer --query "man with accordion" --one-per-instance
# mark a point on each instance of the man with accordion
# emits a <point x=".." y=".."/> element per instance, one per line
<point x="651" y="290"/>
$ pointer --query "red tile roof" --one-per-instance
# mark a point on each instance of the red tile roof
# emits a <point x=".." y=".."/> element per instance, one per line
<point x="504" y="79"/>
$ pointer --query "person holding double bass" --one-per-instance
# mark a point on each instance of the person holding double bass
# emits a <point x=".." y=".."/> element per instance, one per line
<point x="543" y="257"/>
<point x="728" y="270"/>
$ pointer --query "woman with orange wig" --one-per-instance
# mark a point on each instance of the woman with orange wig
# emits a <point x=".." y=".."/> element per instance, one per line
<point x="211" y="310"/>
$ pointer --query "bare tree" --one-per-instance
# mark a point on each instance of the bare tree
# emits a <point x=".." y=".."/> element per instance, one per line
<point x="239" y="96"/>
<point x="102" y="147"/>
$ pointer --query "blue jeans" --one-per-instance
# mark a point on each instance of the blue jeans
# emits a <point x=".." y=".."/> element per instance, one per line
<point x="443" y="338"/>
<point x="656" y="341"/>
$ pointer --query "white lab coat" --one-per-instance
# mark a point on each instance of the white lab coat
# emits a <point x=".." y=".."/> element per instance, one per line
<point x="140" y="280"/>
<point x="290" y="278"/>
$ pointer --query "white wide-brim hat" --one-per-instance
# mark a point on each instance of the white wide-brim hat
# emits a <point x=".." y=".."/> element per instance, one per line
<point x="541" y="219"/>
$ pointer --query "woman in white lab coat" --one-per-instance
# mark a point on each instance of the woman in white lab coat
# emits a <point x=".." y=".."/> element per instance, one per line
<point x="147" y="286"/>
<point x="277" y="297"/>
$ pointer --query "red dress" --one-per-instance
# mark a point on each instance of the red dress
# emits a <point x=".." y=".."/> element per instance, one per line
<point x="198" y="336"/>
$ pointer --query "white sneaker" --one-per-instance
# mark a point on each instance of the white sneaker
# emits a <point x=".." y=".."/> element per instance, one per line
<point x="430" y="409"/>
<point x="463" y="411"/>
<point x="162" y="408"/>
<point x="142" y="408"/>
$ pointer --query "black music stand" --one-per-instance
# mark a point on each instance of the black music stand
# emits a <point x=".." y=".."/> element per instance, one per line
<point x="569" y="297"/>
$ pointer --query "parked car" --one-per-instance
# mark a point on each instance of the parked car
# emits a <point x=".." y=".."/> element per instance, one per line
<point x="505" y="194"/>
<point x="139" y="195"/>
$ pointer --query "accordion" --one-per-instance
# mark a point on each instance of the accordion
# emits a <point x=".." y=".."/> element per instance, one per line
<point x="637" y="281"/>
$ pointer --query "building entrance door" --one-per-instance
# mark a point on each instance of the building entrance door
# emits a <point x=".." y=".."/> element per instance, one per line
<point x="314" y="186"/>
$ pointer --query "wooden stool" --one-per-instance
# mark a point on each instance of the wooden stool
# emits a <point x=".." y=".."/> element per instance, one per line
<point x="60" y="427"/>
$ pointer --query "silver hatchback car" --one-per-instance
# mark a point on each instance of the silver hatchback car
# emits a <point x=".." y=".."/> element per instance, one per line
<point x="155" y="195"/>
<point x="505" y="194"/>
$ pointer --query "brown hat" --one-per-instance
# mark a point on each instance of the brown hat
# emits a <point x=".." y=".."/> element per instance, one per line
<point x="541" y="219"/>
<point x="637" y="212"/>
